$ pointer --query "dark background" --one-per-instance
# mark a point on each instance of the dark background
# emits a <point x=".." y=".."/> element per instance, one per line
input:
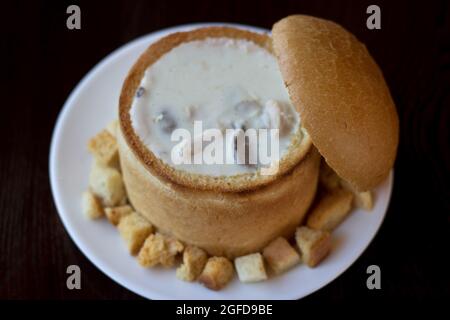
<point x="43" y="61"/>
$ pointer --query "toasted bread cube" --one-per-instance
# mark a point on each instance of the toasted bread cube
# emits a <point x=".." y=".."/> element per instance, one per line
<point x="327" y="177"/>
<point x="314" y="245"/>
<point x="217" y="273"/>
<point x="331" y="210"/>
<point x="91" y="205"/>
<point x="194" y="260"/>
<point x="134" y="229"/>
<point x="112" y="128"/>
<point x="363" y="200"/>
<point x="250" y="268"/>
<point x="106" y="183"/>
<point x="115" y="214"/>
<point x="280" y="255"/>
<point x="104" y="148"/>
<point x="159" y="249"/>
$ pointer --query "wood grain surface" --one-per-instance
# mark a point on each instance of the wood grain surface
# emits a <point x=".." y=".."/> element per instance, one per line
<point x="42" y="61"/>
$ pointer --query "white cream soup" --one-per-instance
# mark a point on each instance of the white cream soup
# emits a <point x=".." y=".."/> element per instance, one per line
<point x="224" y="83"/>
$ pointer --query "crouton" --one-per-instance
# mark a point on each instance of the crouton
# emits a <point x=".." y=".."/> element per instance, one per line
<point x="134" y="229"/>
<point x="194" y="260"/>
<point x="327" y="177"/>
<point x="104" y="148"/>
<point x="330" y="180"/>
<point x="91" y="205"/>
<point x="217" y="273"/>
<point x="113" y="127"/>
<point x="250" y="268"/>
<point x="363" y="200"/>
<point x="114" y="214"/>
<point x="106" y="183"/>
<point x="331" y="210"/>
<point x="280" y="255"/>
<point x="159" y="249"/>
<point x="314" y="245"/>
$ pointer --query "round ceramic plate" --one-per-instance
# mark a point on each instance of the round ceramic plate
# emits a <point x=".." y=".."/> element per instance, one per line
<point x="90" y="107"/>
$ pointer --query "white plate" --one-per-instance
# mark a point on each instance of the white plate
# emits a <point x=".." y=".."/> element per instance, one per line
<point x="90" y="107"/>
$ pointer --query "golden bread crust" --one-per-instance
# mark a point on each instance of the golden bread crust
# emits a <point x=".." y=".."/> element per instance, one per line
<point x="299" y="147"/>
<point x="341" y="95"/>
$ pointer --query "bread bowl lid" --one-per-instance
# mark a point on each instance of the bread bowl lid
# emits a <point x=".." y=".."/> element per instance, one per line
<point x="341" y="96"/>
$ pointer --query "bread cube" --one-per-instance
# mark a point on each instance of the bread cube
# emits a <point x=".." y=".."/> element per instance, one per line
<point x="115" y="214"/>
<point x="104" y="148"/>
<point x="194" y="260"/>
<point x="314" y="245"/>
<point x="280" y="255"/>
<point x="106" y="183"/>
<point x="331" y="210"/>
<point x="327" y="177"/>
<point x="250" y="268"/>
<point x="217" y="273"/>
<point x="91" y="205"/>
<point x="134" y="229"/>
<point x="159" y="249"/>
<point x="363" y="200"/>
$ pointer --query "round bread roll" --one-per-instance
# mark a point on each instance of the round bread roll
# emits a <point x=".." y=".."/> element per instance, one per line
<point x="299" y="147"/>
<point x="341" y="95"/>
<point x="227" y="215"/>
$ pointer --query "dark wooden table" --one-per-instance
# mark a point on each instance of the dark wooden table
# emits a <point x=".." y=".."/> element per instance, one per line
<point x="43" y="61"/>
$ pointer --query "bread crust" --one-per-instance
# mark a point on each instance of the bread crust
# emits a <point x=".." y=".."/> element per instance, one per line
<point x="301" y="142"/>
<point x="226" y="216"/>
<point x="341" y="95"/>
<point x="227" y="224"/>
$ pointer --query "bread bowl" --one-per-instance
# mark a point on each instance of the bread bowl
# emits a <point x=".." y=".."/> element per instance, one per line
<point x="240" y="213"/>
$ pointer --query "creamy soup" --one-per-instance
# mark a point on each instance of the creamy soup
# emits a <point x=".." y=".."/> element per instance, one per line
<point x="225" y="84"/>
